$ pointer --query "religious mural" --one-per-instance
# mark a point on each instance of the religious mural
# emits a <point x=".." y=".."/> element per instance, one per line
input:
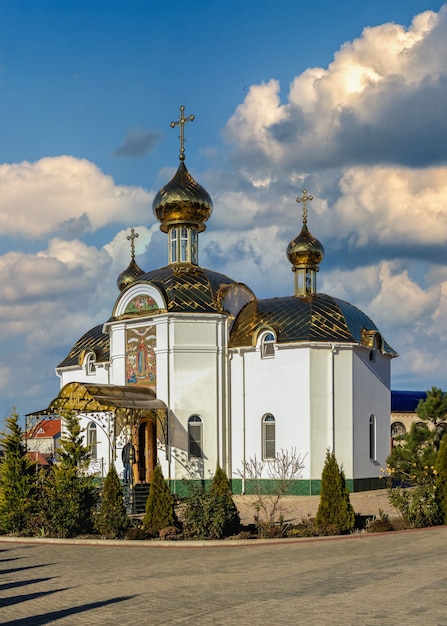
<point x="140" y="356"/>
<point x="141" y="304"/>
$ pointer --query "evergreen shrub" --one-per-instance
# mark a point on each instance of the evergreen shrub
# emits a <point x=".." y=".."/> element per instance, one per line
<point x="335" y="515"/>
<point x="213" y="514"/>
<point x="111" y="521"/>
<point x="160" y="511"/>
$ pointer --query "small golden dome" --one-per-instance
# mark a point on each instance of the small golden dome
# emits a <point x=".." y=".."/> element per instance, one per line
<point x="129" y="275"/>
<point x="182" y="201"/>
<point x="305" y="250"/>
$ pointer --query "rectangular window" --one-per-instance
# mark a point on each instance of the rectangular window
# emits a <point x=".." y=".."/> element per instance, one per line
<point x="184" y="245"/>
<point x="195" y="440"/>
<point x="173" y="236"/>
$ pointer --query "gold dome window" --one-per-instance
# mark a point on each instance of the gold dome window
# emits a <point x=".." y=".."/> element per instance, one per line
<point x="90" y="363"/>
<point x="183" y="245"/>
<point x="267" y="344"/>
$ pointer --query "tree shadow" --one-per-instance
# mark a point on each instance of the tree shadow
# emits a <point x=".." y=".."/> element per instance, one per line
<point x="22" y="583"/>
<point x="45" y="618"/>
<point x="14" y="570"/>
<point x="28" y="596"/>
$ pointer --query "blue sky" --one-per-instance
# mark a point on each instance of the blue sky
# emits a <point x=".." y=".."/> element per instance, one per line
<point x="345" y="99"/>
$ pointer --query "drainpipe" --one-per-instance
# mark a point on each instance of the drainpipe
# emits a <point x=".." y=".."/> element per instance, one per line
<point x="332" y="395"/>
<point x="244" y="454"/>
<point x="168" y="410"/>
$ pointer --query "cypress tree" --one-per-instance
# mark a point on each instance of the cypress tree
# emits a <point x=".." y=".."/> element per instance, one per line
<point x="225" y="520"/>
<point x="160" y="511"/>
<point x="17" y="480"/>
<point x="112" y="521"/>
<point x="335" y="514"/>
<point x="441" y="478"/>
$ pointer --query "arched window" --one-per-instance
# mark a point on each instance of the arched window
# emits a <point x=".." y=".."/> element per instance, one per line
<point x="184" y="244"/>
<point x="267" y="345"/>
<point x="173" y="236"/>
<point x="372" y="438"/>
<point x="90" y="366"/>
<point x="194" y="246"/>
<point x="397" y="429"/>
<point x="268" y="436"/>
<point x="92" y="440"/>
<point x="195" y="434"/>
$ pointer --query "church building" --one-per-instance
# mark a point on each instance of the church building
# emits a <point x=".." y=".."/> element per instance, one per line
<point x="193" y="370"/>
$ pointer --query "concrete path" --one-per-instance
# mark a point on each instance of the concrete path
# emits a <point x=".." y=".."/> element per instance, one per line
<point x="368" y="580"/>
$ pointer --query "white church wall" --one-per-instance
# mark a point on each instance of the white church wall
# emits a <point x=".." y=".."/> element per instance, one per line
<point x="343" y="406"/>
<point x="117" y="353"/>
<point x="371" y="396"/>
<point x="196" y="382"/>
<point x="278" y="385"/>
<point x="103" y="453"/>
<point x="331" y="406"/>
<point x="79" y="374"/>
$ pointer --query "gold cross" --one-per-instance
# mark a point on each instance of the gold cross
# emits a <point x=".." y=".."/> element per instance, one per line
<point x="304" y="198"/>
<point x="133" y="235"/>
<point x="181" y="122"/>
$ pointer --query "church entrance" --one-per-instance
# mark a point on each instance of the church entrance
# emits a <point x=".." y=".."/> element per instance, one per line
<point x="146" y="448"/>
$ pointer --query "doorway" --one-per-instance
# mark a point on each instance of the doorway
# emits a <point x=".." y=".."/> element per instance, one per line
<point x="146" y="450"/>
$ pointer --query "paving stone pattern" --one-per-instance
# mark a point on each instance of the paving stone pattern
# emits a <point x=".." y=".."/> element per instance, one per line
<point x="368" y="580"/>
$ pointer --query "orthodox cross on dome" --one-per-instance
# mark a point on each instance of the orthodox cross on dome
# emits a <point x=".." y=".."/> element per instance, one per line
<point x="304" y="198"/>
<point x="181" y="122"/>
<point x="133" y="235"/>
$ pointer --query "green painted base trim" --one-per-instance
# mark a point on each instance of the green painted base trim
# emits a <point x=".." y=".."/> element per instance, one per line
<point x="368" y="484"/>
<point x="180" y="488"/>
<point x="297" y="488"/>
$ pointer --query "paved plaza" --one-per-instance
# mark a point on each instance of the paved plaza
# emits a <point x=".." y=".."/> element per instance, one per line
<point x="389" y="579"/>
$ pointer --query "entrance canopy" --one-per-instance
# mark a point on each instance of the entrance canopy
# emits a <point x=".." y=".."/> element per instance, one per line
<point x="89" y="398"/>
<point x="130" y="404"/>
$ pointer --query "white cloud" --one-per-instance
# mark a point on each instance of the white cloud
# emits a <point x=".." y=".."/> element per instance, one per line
<point x="64" y="194"/>
<point x="378" y="101"/>
<point x="119" y="248"/>
<point x="390" y="205"/>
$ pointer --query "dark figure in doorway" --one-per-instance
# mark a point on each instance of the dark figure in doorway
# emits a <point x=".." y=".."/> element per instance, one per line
<point x="128" y="458"/>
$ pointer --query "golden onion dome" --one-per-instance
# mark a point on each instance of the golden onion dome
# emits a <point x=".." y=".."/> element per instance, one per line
<point x="129" y="275"/>
<point x="182" y="201"/>
<point x="133" y="272"/>
<point x="305" y="250"/>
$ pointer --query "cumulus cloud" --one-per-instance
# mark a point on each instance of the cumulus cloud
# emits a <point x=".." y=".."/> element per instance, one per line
<point x="256" y="257"/>
<point x="378" y="101"/>
<point x="391" y="206"/>
<point x="47" y="301"/>
<point x="137" y="143"/>
<point x="64" y="195"/>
